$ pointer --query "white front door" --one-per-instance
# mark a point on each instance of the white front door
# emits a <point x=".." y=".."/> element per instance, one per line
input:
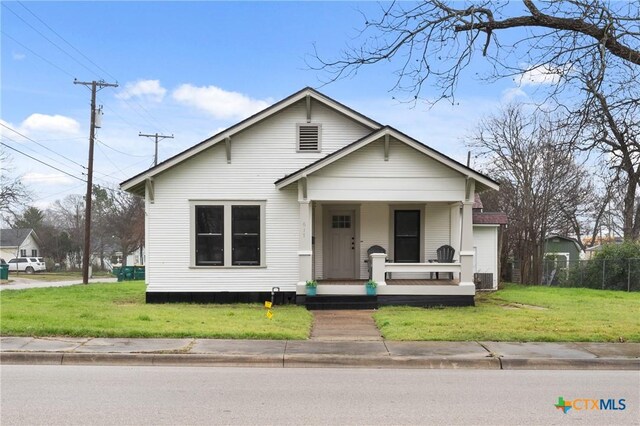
<point x="340" y="250"/>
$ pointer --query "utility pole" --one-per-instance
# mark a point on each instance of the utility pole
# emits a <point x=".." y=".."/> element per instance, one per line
<point x="158" y="138"/>
<point x="95" y="86"/>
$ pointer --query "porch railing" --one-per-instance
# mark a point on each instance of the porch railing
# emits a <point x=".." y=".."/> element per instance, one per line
<point x="380" y="267"/>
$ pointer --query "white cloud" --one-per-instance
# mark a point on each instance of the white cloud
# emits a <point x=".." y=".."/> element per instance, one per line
<point x="540" y="75"/>
<point x="50" y="123"/>
<point x="17" y="56"/>
<point x="219" y="103"/>
<point x="148" y="89"/>
<point x="512" y="93"/>
<point x="47" y="178"/>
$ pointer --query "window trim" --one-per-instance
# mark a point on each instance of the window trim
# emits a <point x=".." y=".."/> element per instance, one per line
<point x="422" y="233"/>
<point x="228" y="237"/>
<point x="319" y="126"/>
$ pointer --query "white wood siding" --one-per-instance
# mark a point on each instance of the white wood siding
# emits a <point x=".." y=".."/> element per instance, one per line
<point x="374" y="230"/>
<point x="485" y="241"/>
<point x="259" y="156"/>
<point x="408" y="175"/>
<point x="8" y="253"/>
<point x="437" y="229"/>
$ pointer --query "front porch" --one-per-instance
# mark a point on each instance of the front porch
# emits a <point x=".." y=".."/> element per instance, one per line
<point x="389" y="193"/>
<point x="352" y="294"/>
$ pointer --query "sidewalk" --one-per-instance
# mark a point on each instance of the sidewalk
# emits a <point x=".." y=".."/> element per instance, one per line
<point x="319" y="353"/>
<point x="22" y="283"/>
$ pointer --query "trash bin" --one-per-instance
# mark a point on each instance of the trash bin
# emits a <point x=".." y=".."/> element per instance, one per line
<point x="115" y="271"/>
<point x="128" y="272"/>
<point x="4" y="272"/>
<point x="138" y="273"/>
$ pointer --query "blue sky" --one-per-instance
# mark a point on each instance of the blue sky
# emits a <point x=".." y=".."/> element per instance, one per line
<point x="189" y="69"/>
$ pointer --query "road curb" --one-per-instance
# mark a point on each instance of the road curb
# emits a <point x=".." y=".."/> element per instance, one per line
<point x="313" y="361"/>
<point x="570" y="364"/>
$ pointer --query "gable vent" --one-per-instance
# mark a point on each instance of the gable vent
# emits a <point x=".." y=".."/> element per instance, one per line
<point x="308" y="137"/>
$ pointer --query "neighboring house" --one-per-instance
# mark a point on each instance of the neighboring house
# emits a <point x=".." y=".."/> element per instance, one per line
<point x="487" y="228"/>
<point x="21" y="242"/>
<point x="301" y="191"/>
<point x="560" y="254"/>
<point x="590" y="252"/>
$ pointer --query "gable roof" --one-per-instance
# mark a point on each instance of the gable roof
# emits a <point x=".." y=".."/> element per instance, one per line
<point x="489" y="218"/>
<point x="14" y="237"/>
<point x="572" y="240"/>
<point x="136" y="183"/>
<point x="485" y="181"/>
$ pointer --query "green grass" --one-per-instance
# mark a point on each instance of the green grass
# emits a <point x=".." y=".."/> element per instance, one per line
<point x="119" y="310"/>
<point x="569" y="315"/>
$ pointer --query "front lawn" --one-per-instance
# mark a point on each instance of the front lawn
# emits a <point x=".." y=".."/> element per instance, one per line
<point x="522" y="313"/>
<point x="119" y="310"/>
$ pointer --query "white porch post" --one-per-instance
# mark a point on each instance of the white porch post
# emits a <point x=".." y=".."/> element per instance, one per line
<point x="305" y="249"/>
<point x="466" y="241"/>
<point x="377" y="267"/>
<point x="454" y="235"/>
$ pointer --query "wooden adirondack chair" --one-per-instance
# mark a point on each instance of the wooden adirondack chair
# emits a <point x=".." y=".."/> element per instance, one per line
<point x="445" y="255"/>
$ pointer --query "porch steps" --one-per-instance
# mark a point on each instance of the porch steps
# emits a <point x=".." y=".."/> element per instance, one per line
<point x="337" y="301"/>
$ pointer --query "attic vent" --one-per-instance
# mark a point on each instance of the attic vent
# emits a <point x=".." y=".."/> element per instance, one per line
<point x="309" y="137"/>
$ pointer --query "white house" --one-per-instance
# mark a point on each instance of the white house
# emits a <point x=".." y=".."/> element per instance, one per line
<point x="21" y="242"/>
<point x="301" y="191"/>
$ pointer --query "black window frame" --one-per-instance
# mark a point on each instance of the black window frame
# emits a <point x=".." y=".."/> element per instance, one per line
<point x="242" y="239"/>
<point x="398" y="255"/>
<point x="202" y="237"/>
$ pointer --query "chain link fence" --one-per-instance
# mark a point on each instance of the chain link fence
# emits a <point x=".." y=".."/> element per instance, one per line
<point x="605" y="274"/>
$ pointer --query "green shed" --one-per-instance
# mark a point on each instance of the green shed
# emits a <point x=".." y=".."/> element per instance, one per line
<point x="560" y="254"/>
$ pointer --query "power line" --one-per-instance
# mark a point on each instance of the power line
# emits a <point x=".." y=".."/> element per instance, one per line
<point x="37" y="152"/>
<point x="37" y="54"/>
<point x="42" y="162"/>
<point x="63" y="39"/>
<point x="44" y="146"/>
<point x="121" y="152"/>
<point x="49" y="40"/>
<point x="158" y="138"/>
<point x="149" y="117"/>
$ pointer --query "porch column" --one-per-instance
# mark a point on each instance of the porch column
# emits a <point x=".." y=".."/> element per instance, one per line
<point x="305" y="250"/>
<point x="454" y="236"/>
<point x="466" y="244"/>
<point x="377" y="267"/>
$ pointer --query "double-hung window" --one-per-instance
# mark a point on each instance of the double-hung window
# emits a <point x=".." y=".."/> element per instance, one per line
<point x="228" y="233"/>
<point x="407" y="236"/>
<point x="210" y="235"/>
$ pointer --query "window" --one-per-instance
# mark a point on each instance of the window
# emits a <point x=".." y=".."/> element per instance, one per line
<point x="228" y="233"/>
<point x="23" y="252"/>
<point x="34" y="253"/>
<point x="308" y="137"/>
<point x="406" y="236"/>
<point x="209" y="235"/>
<point x="341" y="222"/>
<point x="246" y="235"/>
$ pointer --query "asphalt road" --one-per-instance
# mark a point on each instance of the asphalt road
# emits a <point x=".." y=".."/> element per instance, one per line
<point x="85" y="395"/>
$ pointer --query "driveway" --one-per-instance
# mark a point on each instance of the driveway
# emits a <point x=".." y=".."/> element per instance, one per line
<point x="21" y="283"/>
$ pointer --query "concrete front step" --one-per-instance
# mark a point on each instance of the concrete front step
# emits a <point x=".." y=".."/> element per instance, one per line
<point x="338" y="301"/>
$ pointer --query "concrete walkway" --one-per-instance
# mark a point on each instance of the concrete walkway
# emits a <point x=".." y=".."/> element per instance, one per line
<point x="22" y="283"/>
<point x="344" y="325"/>
<point x="317" y="353"/>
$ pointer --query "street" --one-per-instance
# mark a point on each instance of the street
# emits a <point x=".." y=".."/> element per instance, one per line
<point x="83" y="395"/>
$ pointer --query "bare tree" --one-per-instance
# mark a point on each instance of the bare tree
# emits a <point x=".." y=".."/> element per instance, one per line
<point x="542" y="185"/>
<point x="13" y="193"/>
<point x="124" y="219"/>
<point x="589" y="49"/>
